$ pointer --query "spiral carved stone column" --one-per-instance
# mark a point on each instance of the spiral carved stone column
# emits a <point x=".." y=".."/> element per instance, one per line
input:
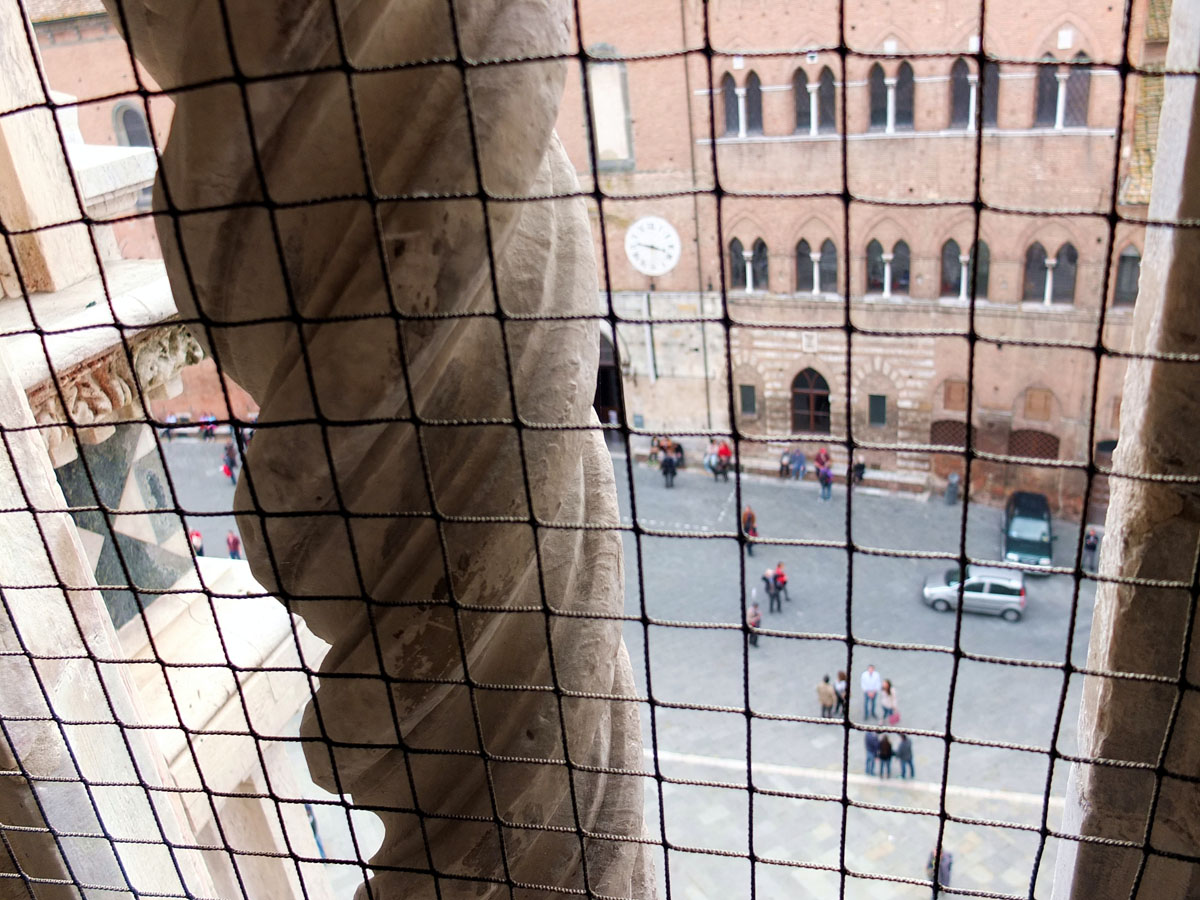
<point x="481" y="628"/>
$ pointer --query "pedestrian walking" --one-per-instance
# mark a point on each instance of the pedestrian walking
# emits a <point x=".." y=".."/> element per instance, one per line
<point x="197" y="541"/>
<point x="871" y="685"/>
<point x="169" y="431"/>
<point x="754" y="620"/>
<point x="781" y="581"/>
<point x="825" y="479"/>
<point x="939" y="863"/>
<point x="885" y="757"/>
<point x="772" y="591"/>
<point x="710" y="458"/>
<point x="799" y="464"/>
<point x="904" y="754"/>
<point x="827" y="697"/>
<point x="1091" y="543"/>
<point x="667" y="464"/>
<point x="887" y="702"/>
<point x="841" y="686"/>
<point x="234" y="543"/>
<point x="871" y="739"/>
<point x="749" y="528"/>
<point x="655" y="451"/>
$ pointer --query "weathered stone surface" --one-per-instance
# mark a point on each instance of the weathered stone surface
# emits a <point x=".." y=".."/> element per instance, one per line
<point x="480" y="627"/>
<point x="1152" y="533"/>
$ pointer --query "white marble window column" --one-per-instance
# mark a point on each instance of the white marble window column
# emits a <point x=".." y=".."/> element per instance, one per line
<point x="816" y="264"/>
<point x="813" y="108"/>
<point x="1060" y="103"/>
<point x="741" y="101"/>
<point x="748" y="256"/>
<point x="964" y="262"/>
<point x="887" y="257"/>
<point x="972" y="99"/>
<point x="890" y="83"/>
<point x="1048" y="294"/>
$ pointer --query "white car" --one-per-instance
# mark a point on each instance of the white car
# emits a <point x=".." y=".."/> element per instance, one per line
<point x="1000" y="592"/>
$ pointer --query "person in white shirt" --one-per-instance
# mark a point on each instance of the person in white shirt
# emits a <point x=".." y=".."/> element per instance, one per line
<point x="872" y="681"/>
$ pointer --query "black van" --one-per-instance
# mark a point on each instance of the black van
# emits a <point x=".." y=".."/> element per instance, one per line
<point x="1028" y="535"/>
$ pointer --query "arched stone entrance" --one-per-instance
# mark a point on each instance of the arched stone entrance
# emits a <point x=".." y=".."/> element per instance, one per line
<point x="608" y="387"/>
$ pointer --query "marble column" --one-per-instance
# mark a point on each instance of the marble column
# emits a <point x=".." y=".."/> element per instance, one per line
<point x="816" y="272"/>
<point x="814" y="109"/>
<point x="1048" y="289"/>
<point x="887" y="274"/>
<point x="964" y="276"/>
<point x="477" y="687"/>
<point x="890" y="83"/>
<point x="1060" y="99"/>
<point x="748" y="259"/>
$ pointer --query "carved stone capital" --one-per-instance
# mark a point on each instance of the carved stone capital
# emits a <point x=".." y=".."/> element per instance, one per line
<point x="91" y="396"/>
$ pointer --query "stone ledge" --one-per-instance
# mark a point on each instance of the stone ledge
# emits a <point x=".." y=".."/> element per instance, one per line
<point x="108" y="351"/>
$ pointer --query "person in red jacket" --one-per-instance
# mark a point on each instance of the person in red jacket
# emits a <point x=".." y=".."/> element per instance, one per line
<point x="234" y="543"/>
<point x="781" y="582"/>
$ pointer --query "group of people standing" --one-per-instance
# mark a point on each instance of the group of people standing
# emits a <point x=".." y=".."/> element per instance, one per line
<point x="879" y="702"/>
<point x="794" y="464"/>
<point x="718" y="459"/>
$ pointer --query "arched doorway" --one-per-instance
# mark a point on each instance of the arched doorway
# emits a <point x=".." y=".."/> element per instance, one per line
<point x="810" y="403"/>
<point x="608" y="387"/>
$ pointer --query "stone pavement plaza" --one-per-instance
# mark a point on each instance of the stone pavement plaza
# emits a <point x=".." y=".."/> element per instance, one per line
<point x="698" y="580"/>
<point x="694" y="583"/>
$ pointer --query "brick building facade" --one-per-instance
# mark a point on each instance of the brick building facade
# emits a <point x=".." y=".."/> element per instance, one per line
<point x="759" y="123"/>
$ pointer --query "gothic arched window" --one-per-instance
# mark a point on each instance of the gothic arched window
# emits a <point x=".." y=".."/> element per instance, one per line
<point x="904" y="97"/>
<point x="737" y="266"/>
<point x="874" y="267"/>
<point x="829" y="267"/>
<point x="758" y="265"/>
<point x="1064" y="275"/>
<point x="826" y="103"/>
<point x="878" y="97"/>
<point x="1035" y="273"/>
<point x="804" y="268"/>
<point x="754" y="122"/>
<point x="900" y="266"/>
<point x="1078" y="88"/>
<point x="729" y="98"/>
<point x="960" y="94"/>
<point x="1047" y="93"/>
<point x="802" y="102"/>
<point x="951" y="269"/>
<point x="980" y="266"/>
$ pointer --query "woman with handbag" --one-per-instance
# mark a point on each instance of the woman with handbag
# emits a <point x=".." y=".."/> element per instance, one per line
<point x="887" y="700"/>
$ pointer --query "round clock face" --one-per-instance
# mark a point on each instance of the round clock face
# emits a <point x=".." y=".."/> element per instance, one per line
<point x="652" y="245"/>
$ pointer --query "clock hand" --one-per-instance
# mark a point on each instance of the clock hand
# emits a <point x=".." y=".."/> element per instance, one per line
<point x="652" y="247"/>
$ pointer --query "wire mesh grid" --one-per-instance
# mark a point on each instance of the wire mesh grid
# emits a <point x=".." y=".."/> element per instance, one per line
<point x="665" y="550"/>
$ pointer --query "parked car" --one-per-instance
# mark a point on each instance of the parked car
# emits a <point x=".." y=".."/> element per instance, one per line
<point x="1000" y="592"/>
<point x="1028" y="532"/>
